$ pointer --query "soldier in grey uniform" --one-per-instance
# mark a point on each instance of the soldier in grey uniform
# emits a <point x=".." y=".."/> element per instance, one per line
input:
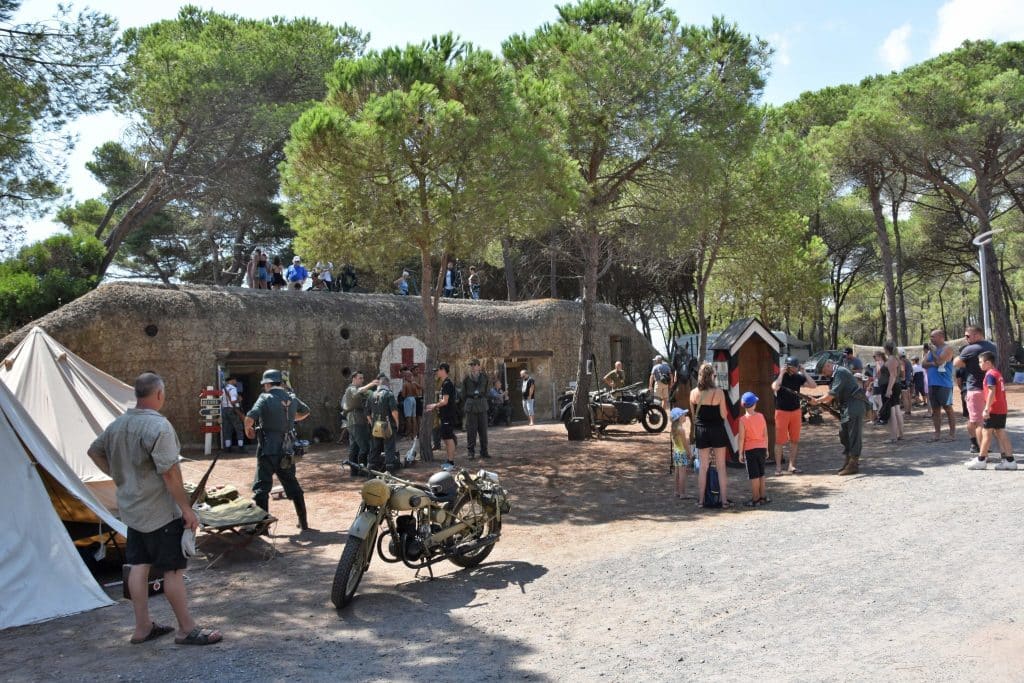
<point x="474" y="393"/>
<point x="354" y="404"/>
<point x="846" y="392"/>
<point x="276" y="410"/>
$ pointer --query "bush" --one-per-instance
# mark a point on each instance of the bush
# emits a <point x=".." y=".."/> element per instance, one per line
<point x="45" y="276"/>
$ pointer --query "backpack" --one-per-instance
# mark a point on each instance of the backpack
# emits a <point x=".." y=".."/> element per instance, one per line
<point x="713" y="490"/>
<point x="663" y="373"/>
<point x="382" y="428"/>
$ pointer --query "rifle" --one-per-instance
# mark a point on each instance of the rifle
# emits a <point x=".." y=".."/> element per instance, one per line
<point x="805" y="403"/>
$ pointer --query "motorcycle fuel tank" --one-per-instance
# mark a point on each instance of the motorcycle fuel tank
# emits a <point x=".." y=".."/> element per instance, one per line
<point x="407" y="498"/>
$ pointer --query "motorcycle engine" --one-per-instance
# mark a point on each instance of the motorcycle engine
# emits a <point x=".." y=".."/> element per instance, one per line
<point x="407" y="535"/>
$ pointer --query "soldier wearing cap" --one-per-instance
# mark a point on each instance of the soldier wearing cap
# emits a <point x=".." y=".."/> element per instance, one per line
<point x="474" y="392"/>
<point x="788" y="418"/>
<point x="846" y="392"/>
<point x="276" y="411"/>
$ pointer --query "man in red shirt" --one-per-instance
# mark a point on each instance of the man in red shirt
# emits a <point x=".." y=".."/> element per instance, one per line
<point x="994" y="417"/>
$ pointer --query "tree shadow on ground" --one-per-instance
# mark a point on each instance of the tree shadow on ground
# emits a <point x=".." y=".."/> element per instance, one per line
<point x="278" y="623"/>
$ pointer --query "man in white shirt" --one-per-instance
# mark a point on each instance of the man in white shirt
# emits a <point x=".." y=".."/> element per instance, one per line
<point x="230" y="417"/>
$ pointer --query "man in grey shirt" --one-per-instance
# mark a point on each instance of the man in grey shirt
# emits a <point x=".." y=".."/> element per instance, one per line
<point x="139" y="451"/>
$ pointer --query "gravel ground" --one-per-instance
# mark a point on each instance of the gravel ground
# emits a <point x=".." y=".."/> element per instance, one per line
<point x="907" y="571"/>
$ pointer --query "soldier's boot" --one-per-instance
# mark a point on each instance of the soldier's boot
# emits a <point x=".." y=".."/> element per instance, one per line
<point x="300" y="511"/>
<point x="852" y="467"/>
<point x="846" y="461"/>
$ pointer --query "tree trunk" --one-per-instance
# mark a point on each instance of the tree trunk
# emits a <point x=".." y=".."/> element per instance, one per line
<point x="1000" y="318"/>
<point x="429" y="300"/>
<point x="510" y="276"/>
<point x="591" y="258"/>
<point x="882" y="232"/>
<point x="553" y="269"/>
<point x="901" y="308"/>
<point x="214" y="251"/>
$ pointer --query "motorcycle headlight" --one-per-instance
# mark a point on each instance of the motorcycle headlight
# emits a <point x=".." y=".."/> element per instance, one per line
<point x="375" y="493"/>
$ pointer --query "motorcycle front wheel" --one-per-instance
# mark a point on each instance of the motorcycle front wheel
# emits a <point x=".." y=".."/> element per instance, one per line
<point x="471" y="511"/>
<point x="355" y="559"/>
<point x="654" y="419"/>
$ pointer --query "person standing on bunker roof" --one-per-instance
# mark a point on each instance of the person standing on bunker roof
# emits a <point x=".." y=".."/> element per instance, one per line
<point x="296" y="274"/>
<point x="276" y="411"/>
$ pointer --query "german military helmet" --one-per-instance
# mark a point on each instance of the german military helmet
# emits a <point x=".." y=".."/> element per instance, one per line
<point x="271" y="377"/>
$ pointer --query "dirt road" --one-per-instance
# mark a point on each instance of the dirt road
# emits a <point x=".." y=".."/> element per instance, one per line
<point x="909" y="570"/>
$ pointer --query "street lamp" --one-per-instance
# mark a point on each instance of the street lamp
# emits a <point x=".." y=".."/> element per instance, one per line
<point x="980" y="241"/>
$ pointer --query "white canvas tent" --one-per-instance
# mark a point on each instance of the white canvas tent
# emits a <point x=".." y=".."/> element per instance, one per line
<point x="42" y="575"/>
<point x="70" y="400"/>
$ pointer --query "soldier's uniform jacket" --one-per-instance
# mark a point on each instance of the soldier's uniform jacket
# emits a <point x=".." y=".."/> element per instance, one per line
<point x="383" y="403"/>
<point x="275" y="412"/>
<point x="475" y="392"/>
<point x="848" y="393"/>
<point x="356" y="396"/>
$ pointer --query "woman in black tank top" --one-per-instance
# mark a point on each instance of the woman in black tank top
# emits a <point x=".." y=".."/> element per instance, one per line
<point x="711" y="440"/>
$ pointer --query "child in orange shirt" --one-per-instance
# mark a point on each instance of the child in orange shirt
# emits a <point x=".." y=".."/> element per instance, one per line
<point x="753" y="448"/>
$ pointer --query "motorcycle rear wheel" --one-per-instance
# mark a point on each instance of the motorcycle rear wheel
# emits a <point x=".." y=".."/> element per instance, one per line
<point x="654" y="419"/>
<point x="355" y="560"/>
<point x="468" y="509"/>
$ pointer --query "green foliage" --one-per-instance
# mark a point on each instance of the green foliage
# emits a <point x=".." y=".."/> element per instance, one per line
<point x="215" y="96"/>
<point x="46" y="275"/>
<point x="421" y="151"/>
<point x="50" y="72"/>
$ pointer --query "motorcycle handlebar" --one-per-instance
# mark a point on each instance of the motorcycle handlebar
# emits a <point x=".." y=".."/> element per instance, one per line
<point x="387" y="476"/>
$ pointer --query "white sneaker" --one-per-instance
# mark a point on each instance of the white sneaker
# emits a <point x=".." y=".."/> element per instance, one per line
<point x="975" y="464"/>
<point x="1006" y="465"/>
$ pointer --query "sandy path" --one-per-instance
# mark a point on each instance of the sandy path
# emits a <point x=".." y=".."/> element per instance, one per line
<point x="909" y="570"/>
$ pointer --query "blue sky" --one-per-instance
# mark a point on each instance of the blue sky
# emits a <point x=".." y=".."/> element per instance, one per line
<point x="816" y="44"/>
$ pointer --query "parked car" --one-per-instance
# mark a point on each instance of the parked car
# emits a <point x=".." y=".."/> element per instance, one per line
<point x="811" y="365"/>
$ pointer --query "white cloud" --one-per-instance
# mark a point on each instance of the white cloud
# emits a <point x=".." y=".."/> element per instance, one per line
<point x="960" y="20"/>
<point x="780" y="44"/>
<point x="894" y="50"/>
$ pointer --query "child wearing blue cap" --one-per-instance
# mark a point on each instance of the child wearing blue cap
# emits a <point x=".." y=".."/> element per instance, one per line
<point x="753" y="448"/>
<point x="681" y="460"/>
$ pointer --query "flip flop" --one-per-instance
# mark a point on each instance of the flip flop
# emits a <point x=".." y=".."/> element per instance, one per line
<point x="796" y="471"/>
<point x="764" y="501"/>
<point x="750" y="503"/>
<point x="155" y="632"/>
<point x="200" y="636"/>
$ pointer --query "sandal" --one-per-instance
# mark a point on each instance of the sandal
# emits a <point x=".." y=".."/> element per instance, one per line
<point x="200" y="636"/>
<point x="764" y="501"/>
<point x="155" y="632"/>
<point x="751" y="503"/>
<point x="794" y="470"/>
<point x="726" y="504"/>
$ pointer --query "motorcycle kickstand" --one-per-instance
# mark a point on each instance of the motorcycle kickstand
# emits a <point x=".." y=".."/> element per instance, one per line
<point x="430" y="569"/>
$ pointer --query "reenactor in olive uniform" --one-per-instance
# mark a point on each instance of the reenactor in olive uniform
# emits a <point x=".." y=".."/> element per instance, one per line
<point x="354" y="403"/>
<point x="276" y="411"/>
<point x="384" y="408"/>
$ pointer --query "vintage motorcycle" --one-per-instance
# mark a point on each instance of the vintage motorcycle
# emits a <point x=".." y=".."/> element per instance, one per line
<point x="454" y="517"/>
<point x="622" y="406"/>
